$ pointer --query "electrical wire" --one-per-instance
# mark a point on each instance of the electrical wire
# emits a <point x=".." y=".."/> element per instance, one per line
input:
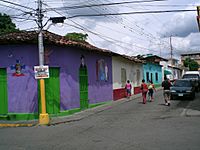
<point x="103" y="36"/>
<point x="17" y="5"/>
<point x="106" y="4"/>
<point x="129" y="13"/>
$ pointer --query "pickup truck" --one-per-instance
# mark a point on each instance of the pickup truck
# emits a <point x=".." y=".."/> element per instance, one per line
<point x="194" y="76"/>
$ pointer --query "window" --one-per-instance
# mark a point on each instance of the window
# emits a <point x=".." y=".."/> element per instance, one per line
<point x="151" y="76"/>
<point x="138" y="77"/>
<point x="123" y="76"/>
<point x="147" y="76"/>
<point x="156" y="76"/>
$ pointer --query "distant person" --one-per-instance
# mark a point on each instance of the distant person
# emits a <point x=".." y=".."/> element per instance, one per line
<point x="128" y="88"/>
<point x="166" y="90"/>
<point x="144" y="89"/>
<point x="151" y="89"/>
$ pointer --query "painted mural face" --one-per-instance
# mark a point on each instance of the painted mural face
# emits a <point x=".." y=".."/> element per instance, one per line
<point x="18" y="69"/>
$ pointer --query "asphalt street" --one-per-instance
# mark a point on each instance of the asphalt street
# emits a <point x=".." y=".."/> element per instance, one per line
<point x="126" y="125"/>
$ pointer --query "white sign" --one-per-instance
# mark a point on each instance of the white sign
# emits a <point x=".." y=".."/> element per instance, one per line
<point x="41" y="72"/>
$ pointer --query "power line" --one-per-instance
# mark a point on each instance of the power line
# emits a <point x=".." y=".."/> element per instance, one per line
<point x="15" y="8"/>
<point x="103" y="37"/>
<point x="106" y="4"/>
<point x="17" y="5"/>
<point x="98" y="35"/>
<point x="129" y="13"/>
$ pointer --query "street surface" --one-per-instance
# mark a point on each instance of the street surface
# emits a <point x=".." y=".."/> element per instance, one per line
<point x="130" y="125"/>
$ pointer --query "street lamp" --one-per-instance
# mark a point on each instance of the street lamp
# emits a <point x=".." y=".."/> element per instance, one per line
<point x="44" y="116"/>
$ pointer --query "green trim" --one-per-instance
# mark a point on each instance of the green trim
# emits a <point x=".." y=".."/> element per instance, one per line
<point x="98" y="104"/>
<point x="33" y="116"/>
<point x="20" y="116"/>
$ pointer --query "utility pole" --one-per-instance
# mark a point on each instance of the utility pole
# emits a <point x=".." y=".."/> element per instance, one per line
<point x="171" y="49"/>
<point x="198" y="16"/>
<point x="44" y="117"/>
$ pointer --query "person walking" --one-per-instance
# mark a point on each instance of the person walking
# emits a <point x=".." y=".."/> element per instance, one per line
<point x="151" y="89"/>
<point x="166" y="90"/>
<point x="128" y="88"/>
<point x="144" y="89"/>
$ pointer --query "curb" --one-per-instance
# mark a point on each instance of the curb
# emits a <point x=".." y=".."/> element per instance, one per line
<point x="192" y="113"/>
<point x="17" y="125"/>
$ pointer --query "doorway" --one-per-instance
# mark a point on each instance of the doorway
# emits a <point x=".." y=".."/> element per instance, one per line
<point x="3" y="92"/>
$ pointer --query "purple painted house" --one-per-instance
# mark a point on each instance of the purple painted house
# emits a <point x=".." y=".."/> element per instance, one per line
<point x="80" y="74"/>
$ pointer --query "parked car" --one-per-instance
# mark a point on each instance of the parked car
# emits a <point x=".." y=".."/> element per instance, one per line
<point x="194" y="76"/>
<point x="182" y="88"/>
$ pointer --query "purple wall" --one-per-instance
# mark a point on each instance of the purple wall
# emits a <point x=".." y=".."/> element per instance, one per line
<point x="22" y="91"/>
<point x="69" y="61"/>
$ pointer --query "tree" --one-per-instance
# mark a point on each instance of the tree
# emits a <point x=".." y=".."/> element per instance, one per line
<point x="76" y="36"/>
<point x="192" y="64"/>
<point x="6" y="24"/>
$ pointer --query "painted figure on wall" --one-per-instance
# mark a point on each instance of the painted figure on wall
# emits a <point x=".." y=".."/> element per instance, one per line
<point x="102" y="70"/>
<point x="82" y="65"/>
<point x="106" y="72"/>
<point x="18" y="69"/>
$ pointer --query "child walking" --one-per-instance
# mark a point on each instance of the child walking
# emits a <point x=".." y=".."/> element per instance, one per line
<point x="151" y="89"/>
<point x="128" y="88"/>
<point x="144" y="89"/>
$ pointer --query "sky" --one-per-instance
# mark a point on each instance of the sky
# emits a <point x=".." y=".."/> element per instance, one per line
<point x="133" y="34"/>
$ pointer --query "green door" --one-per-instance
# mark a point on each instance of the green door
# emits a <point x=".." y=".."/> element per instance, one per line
<point x="52" y="91"/>
<point x="83" y="83"/>
<point x="3" y="92"/>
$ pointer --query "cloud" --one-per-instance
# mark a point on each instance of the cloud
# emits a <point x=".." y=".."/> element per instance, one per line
<point x="181" y="24"/>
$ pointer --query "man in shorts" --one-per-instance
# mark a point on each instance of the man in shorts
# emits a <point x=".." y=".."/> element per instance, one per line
<point x="166" y="90"/>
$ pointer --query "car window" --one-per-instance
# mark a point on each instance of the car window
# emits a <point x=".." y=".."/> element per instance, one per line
<point x="190" y="76"/>
<point x="182" y="83"/>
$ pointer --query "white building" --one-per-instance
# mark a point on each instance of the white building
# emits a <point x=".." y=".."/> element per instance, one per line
<point x="126" y="68"/>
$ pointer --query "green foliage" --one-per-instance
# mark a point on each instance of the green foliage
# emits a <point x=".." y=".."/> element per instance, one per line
<point x="192" y="64"/>
<point x="6" y="24"/>
<point x="76" y="36"/>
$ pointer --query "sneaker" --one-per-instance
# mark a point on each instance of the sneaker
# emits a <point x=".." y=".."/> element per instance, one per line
<point x="166" y="104"/>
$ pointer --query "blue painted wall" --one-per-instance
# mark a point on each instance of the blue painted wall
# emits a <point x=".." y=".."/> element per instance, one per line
<point x="153" y="69"/>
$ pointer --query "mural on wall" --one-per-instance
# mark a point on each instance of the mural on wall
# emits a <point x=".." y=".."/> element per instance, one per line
<point x="18" y="68"/>
<point x="101" y="70"/>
